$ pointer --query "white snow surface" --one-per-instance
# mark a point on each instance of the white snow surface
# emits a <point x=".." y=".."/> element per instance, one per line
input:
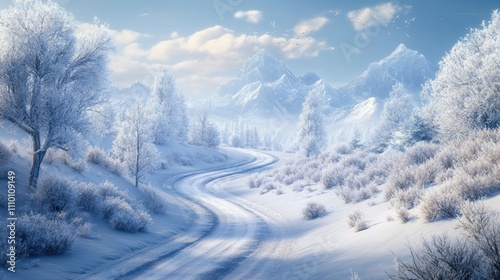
<point x="218" y="228"/>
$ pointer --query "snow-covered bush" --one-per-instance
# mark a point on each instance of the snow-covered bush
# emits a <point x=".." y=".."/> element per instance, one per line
<point x="403" y="214"/>
<point x="255" y="181"/>
<point x="345" y="193"/>
<point x="402" y="177"/>
<point x="439" y="204"/>
<point x="420" y="153"/>
<point x="88" y="197"/>
<point x="154" y="200"/>
<point x="38" y="235"/>
<point x="427" y="173"/>
<point x="407" y="198"/>
<point x="113" y="205"/>
<point x="333" y="176"/>
<point x="440" y="258"/>
<point x="472" y="188"/>
<point x="55" y="192"/>
<point x="267" y="187"/>
<point x="97" y="156"/>
<point x="482" y="227"/>
<point x="313" y="211"/>
<point x="122" y="216"/>
<point x="357" y="221"/>
<point x="82" y="228"/>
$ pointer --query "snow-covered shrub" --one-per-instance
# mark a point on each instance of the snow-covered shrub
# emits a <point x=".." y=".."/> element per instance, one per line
<point x="83" y="229"/>
<point x="343" y="149"/>
<point x="403" y="214"/>
<point x="38" y="235"/>
<point x="122" y="216"/>
<point x="345" y="193"/>
<point x="55" y="192"/>
<point x="255" y="181"/>
<point x="440" y="204"/>
<point x="266" y="187"/>
<point x="108" y="189"/>
<point x="482" y="227"/>
<point x="472" y="188"/>
<point x="154" y="200"/>
<point x="357" y="221"/>
<point x="279" y="191"/>
<point x="333" y="176"/>
<point x="88" y="197"/>
<point x="407" y="198"/>
<point x="401" y="177"/>
<point x="97" y="156"/>
<point x="363" y="194"/>
<point x="5" y="154"/>
<point x="357" y="181"/>
<point x="427" y="173"/>
<point x="440" y="258"/>
<point x="356" y="160"/>
<point x="420" y="153"/>
<point x="313" y="211"/>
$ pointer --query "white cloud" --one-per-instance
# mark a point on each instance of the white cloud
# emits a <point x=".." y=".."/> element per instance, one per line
<point x="202" y="60"/>
<point x="252" y="16"/>
<point x="174" y="35"/>
<point x="308" y="26"/>
<point x="371" y="16"/>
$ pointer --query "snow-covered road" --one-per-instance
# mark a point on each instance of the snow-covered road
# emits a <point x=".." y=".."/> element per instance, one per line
<point x="230" y="238"/>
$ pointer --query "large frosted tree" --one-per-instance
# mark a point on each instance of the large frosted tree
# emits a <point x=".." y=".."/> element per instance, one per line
<point x="50" y="76"/>
<point x="465" y="95"/>
<point x="311" y="127"/>
<point x="170" y="110"/>
<point x="134" y="145"/>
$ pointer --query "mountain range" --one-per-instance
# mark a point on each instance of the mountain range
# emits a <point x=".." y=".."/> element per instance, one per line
<point x="265" y="90"/>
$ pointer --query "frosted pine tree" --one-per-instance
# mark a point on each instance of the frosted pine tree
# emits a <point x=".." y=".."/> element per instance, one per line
<point x="311" y="134"/>
<point x="395" y="114"/>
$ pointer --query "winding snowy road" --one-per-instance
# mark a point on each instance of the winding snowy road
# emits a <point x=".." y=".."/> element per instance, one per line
<point x="230" y="238"/>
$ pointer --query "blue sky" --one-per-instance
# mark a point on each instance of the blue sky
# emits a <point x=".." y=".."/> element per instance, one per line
<point x="205" y="43"/>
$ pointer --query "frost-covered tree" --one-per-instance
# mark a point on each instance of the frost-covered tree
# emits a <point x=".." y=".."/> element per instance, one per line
<point x="311" y="127"/>
<point x="396" y="112"/>
<point x="416" y="129"/>
<point x="50" y="76"/>
<point x="170" y="110"/>
<point x="465" y="95"/>
<point x="204" y="132"/>
<point x="134" y="145"/>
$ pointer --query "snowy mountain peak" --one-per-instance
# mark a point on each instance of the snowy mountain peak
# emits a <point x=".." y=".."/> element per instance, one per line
<point x="403" y="66"/>
<point x="265" y="67"/>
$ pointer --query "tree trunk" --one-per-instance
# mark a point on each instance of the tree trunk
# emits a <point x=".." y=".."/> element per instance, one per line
<point x="137" y="160"/>
<point x="38" y="156"/>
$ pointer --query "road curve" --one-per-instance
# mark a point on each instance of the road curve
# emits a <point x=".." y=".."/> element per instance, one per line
<point x="229" y="239"/>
